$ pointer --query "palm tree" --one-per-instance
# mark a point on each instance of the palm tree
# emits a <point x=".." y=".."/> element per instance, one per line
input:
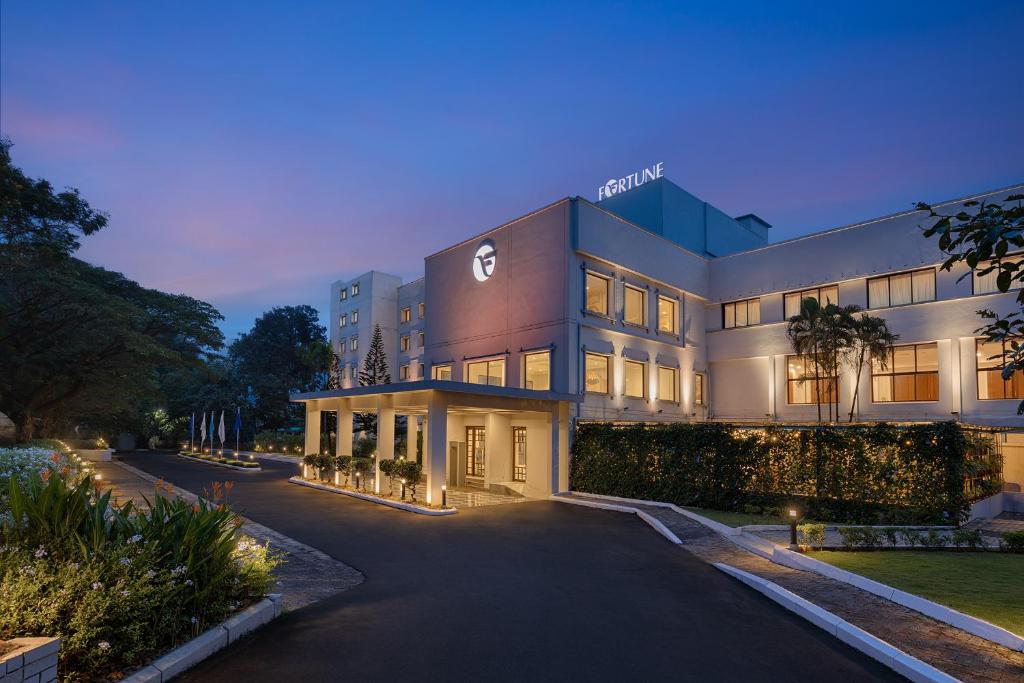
<point x="838" y="323"/>
<point x="806" y="331"/>
<point x="871" y="339"/>
<point x="823" y="334"/>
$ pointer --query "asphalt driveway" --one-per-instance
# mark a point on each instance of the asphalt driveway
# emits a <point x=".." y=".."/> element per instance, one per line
<point x="534" y="591"/>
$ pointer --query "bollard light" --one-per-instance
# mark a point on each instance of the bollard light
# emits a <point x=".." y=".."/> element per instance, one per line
<point x="403" y="489"/>
<point x="444" y="496"/>
<point x="792" y="530"/>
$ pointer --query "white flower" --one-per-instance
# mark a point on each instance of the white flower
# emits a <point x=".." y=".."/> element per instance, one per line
<point x="179" y="570"/>
<point x="188" y="582"/>
<point x="41" y="552"/>
<point x="195" y="620"/>
<point x="135" y="539"/>
<point x="97" y="585"/>
<point x="74" y="565"/>
<point x="125" y="561"/>
<point x="28" y="570"/>
<point x="150" y="574"/>
<point x="104" y="645"/>
<point x="243" y="546"/>
<point x="125" y="594"/>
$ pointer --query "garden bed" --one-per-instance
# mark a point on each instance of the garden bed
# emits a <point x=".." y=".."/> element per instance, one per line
<point x="984" y="585"/>
<point x="407" y="505"/>
<point x="244" y="465"/>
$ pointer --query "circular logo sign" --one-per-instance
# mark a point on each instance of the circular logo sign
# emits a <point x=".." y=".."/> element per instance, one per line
<point x="611" y="187"/>
<point x="484" y="260"/>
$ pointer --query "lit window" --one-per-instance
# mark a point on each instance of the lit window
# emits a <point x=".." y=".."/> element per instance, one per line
<point x="406" y="315"/>
<point x="597" y="294"/>
<point x="668" y="315"/>
<point x="668" y="384"/>
<point x="910" y="373"/>
<point x="902" y="288"/>
<point x="491" y="372"/>
<point x="421" y="310"/>
<point x="537" y="371"/>
<point x="355" y="372"/>
<point x="634" y="306"/>
<point x="403" y="372"/>
<point x="519" y="453"/>
<point x="804" y="381"/>
<point x="423" y="340"/>
<point x="823" y="295"/>
<point x="598" y="371"/>
<point x="343" y="320"/>
<point x="355" y="317"/>
<point x="442" y="372"/>
<point x="344" y="293"/>
<point x="741" y="313"/>
<point x="355" y="288"/>
<point x="991" y="384"/>
<point x="353" y="344"/>
<point x="988" y="283"/>
<point x="634" y="379"/>
<point x="404" y="343"/>
<point x="698" y="389"/>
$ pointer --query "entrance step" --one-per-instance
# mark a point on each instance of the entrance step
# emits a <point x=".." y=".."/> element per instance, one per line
<point x="509" y="488"/>
<point x="475" y="482"/>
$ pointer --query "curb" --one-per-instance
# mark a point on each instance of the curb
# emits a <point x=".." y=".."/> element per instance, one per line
<point x="408" y="507"/>
<point x="220" y="464"/>
<point x="202" y="646"/>
<point x="879" y="650"/>
<point x="654" y="523"/>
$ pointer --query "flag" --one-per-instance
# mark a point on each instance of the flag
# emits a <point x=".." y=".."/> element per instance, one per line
<point x="238" y="422"/>
<point x="202" y="431"/>
<point x="213" y="426"/>
<point x="220" y="430"/>
<point x="192" y="426"/>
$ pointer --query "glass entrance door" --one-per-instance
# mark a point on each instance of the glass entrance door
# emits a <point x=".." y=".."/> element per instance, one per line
<point x="519" y="453"/>
<point x="475" y="451"/>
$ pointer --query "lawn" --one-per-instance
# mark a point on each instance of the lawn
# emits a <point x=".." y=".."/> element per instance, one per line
<point x="989" y="586"/>
<point x="735" y="519"/>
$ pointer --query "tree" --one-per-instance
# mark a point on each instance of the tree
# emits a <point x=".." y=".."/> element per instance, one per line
<point x="822" y="334"/>
<point x="989" y="237"/>
<point x="871" y="339"/>
<point x="375" y="371"/>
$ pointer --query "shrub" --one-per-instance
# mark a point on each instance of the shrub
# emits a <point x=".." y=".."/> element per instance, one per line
<point x="870" y="538"/>
<point x="856" y="474"/>
<point x="968" y="537"/>
<point x="343" y="465"/>
<point x="361" y="467"/>
<point x="389" y="469"/>
<point x="934" y="540"/>
<point x="1012" y="542"/>
<point x="850" y="536"/>
<point x="365" y="447"/>
<point x="912" y="537"/>
<point x="280" y="442"/>
<point x="891" y="535"/>
<point x="813" y="534"/>
<point x="410" y="470"/>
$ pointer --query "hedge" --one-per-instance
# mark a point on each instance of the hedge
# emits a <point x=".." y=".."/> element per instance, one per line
<point x="881" y="473"/>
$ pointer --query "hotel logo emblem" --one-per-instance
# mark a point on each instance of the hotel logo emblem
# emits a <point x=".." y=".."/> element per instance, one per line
<point x="617" y="185"/>
<point x="484" y="260"/>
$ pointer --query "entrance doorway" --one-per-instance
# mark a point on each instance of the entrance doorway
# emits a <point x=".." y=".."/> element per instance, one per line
<point x="475" y="451"/>
<point x="519" y="453"/>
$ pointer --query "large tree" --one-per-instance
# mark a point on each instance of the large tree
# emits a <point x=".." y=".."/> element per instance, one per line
<point x="871" y="339"/>
<point x="989" y="238"/>
<point x="375" y="371"/>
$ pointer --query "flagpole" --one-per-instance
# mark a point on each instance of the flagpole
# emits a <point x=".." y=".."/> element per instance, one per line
<point x="192" y="434"/>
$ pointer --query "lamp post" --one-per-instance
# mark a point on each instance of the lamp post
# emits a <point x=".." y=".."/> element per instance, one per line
<point x="792" y="530"/>
<point x="444" y="496"/>
<point x="403" y="489"/>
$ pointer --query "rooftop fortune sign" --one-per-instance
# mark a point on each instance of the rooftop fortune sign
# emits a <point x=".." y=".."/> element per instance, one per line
<point x="617" y="185"/>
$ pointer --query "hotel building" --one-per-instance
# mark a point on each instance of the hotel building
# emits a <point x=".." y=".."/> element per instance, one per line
<point x="652" y="305"/>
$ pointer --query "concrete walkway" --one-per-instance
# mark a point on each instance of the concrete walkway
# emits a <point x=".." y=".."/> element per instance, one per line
<point x="959" y="654"/>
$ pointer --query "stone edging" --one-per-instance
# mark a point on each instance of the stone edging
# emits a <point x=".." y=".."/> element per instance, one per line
<point x="876" y="648"/>
<point x="220" y="464"/>
<point x="408" y="507"/>
<point x="202" y="646"/>
<point x="779" y="555"/>
<point x="654" y="523"/>
<point x="32" y="659"/>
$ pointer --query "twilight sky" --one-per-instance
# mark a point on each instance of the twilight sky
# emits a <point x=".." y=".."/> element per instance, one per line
<point x="250" y="153"/>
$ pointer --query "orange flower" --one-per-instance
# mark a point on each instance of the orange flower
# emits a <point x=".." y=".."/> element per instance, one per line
<point x="45" y="474"/>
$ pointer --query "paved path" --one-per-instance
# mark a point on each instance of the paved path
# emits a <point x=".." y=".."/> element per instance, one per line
<point x="540" y="591"/>
<point x="959" y="654"/>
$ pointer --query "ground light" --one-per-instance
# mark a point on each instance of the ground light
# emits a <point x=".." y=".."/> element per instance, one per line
<point x="792" y="530"/>
<point x="403" y="489"/>
<point x="444" y="496"/>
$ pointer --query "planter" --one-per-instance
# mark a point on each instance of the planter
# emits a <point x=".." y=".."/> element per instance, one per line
<point x="408" y="506"/>
<point x="95" y="454"/>
<point x="32" y="659"/>
<point x="238" y="468"/>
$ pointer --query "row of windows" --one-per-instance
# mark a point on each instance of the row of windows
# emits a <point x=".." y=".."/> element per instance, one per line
<point x="899" y="289"/>
<point x="354" y="288"/>
<point x="907" y="373"/>
<point x="405" y="315"/>
<point x="634" y="304"/>
<point x="405" y="341"/>
<point x="491" y="371"/>
<point x="598" y="379"/>
<point x="346" y="318"/>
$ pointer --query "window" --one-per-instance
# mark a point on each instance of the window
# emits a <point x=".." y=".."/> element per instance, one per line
<point x="987" y="283"/>
<point x="403" y="372"/>
<point x="668" y="384"/>
<point x="537" y="373"/>
<point x="355" y="289"/>
<point x="519" y="454"/>
<point x="901" y="289"/>
<point x="910" y="373"/>
<point x="802" y="386"/>
<point x="355" y="372"/>
<point x="668" y="315"/>
<point x="634" y="306"/>
<point x="422" y="340"/>
<point x="741" y="313"/>
<point x="355" y="317"/>
<point x="991" y="384"/>
<point x="404" y="343"/>
<point x="597" y="294"/>
<point x="490" y="372"/>
<point x="598" y="370"/>
<point x="442" y="372"/>
<point x="823" y="295"/>
<point x="698" y="389"/>
<point x="421" y="310"/>
<point x="634" y="379"/>
<point x="353" y="344"/>
<point x="406" y="314"/>
<point x="344" y="293"/>
<point x="343" y="320"/>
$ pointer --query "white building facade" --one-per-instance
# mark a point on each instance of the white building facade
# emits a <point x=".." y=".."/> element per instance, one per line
<point x="653" y="305"/>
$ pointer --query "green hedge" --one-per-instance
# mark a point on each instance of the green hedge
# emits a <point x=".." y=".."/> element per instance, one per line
<point x="856" y="474"/>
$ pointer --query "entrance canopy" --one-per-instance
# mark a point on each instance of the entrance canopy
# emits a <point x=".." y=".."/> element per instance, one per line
<point x="447" y="407"/>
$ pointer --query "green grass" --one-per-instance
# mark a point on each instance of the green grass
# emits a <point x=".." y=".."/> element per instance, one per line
<point x="989" y="585"/>
<point x="735" y="519"/>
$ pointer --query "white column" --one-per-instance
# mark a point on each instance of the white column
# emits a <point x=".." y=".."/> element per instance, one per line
<point x="560" y="447"/>
<point x="385" y="439"/>
<point x="312" y="428"/>
<point x="435" y="435"/>
<point x="411" y="429"/>
<point x="343" y="444"/>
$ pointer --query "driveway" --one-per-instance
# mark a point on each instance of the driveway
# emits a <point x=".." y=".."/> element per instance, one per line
<point x="535" y="591"/>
